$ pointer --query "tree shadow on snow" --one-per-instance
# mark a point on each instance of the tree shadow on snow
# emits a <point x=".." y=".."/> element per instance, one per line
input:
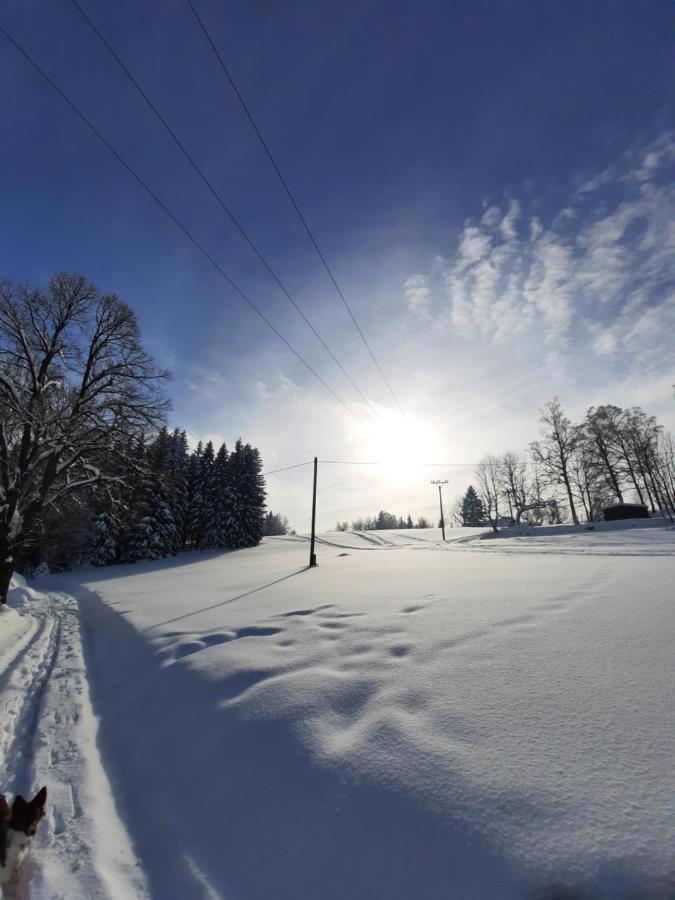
<point x="203" y="609"/>
<point x="126" y="570"/>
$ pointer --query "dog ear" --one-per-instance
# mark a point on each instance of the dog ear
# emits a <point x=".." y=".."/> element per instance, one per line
<point x="19" y="803"/>
<point x="40" y="798"/>
<point x="5" y="811"/>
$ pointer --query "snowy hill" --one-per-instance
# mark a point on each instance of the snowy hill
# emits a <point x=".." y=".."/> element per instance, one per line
<point x="485" y="718"/>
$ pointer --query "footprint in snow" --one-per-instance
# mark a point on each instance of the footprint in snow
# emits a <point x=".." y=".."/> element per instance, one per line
<point x="212" y="640"/>
<point x="256" y="631"/>
<point x="400" y="650"/>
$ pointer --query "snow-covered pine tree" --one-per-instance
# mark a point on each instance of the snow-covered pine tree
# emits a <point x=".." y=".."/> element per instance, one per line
<point x="166" y="524"/>
<point x="152" y="531"/>
<point x="177" y="481"/>
<point x="144" y="541"/>
<point x="105" y="543"/>
<point x="219" y="498"/>
<point x="132" y="477"/>
<point x="195" y="498"/>
<point x="204" y="523"/>
<point x="247" y="497"/>
<point x="154" y="535"/>
<point x="167" y="460"/>
<point x="254" y="495"/>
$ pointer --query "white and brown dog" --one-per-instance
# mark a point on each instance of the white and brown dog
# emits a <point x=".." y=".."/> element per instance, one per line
<point x="18" y="825"/>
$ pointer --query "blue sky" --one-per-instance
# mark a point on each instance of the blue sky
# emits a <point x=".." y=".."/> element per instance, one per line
<point x="492" y="183"/>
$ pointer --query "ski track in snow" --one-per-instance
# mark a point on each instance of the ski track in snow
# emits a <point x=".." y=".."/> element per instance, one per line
<point x="48" y="736"/>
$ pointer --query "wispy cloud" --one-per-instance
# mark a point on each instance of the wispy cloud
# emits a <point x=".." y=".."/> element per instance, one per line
<point x="206" y="382"/>
<point x="599" y="274"/>
<point x="418" y="294"/>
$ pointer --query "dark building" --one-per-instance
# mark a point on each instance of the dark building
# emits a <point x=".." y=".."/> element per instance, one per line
<point x="625" y="511"/>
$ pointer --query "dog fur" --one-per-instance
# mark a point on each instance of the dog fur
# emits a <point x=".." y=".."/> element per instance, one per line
<point x="18" y="825"/>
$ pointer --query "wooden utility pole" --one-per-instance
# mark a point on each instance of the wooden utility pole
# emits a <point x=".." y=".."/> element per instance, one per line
<point x="440" y="500"/>
<point x="312" y="554"/>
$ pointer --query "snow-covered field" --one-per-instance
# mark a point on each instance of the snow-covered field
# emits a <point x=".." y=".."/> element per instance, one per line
<point x="484" y="718"/>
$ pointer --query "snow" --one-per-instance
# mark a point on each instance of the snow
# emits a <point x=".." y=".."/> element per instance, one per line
<point x="482" y="718"/>
<point x="48" y="735"/>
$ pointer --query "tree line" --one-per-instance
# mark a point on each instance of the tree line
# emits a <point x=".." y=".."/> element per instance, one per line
<point x="575" y="470"/>
<point x="87" y="469"/>
<point x="383" y="520"/>
<point x="171" y="500"/>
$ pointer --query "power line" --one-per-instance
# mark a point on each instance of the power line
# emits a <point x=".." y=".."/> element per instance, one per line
<point x="436" y="465"/>
<point x="173" y="218"/>
<point x="393" y="463"/>
<point x="286" y="468"/>
<point x="240" y="228"/>
<point x="294" y="203"/>
<point x="347" y="462"/>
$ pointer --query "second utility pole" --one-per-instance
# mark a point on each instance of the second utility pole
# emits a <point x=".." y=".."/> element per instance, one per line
<point x="312" y="554"/>
<point x="440" y="500"/>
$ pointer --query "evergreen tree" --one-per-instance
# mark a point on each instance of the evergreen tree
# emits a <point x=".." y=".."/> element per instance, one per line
<point x="177" y="474"/>
<point x="275" y="524"/>
<point x="166" y="524"/>
<point x="246" y="497"/>
<point x="472" y="511"/>
<point x="384" y="520"/>
<point x="164" y="464"/>
<point x="205" y="524"/>
<point x="105" y="544"/>
<point x="195" y="499"/>
<point x="143" y="541"/>
<point x="152" y="532"/>
<point x="218" y="500"/>
<point x="409" y="522"/>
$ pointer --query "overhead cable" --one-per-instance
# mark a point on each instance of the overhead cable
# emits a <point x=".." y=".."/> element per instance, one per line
<point x="240" y="228"/>
<point x="173" y="218"/>
<point x="292" y="199"/>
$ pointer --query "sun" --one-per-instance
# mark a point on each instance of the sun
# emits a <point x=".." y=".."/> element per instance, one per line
<point x="401" y="446"/>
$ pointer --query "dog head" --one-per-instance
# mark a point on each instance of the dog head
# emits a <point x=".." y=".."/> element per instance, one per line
<point x="26" y="814"/>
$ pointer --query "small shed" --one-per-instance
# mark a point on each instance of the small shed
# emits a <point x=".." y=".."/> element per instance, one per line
<point x="625" y="511"/>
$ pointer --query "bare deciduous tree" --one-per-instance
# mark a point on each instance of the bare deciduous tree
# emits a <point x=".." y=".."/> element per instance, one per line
<point x="601" y="433"/>
<point x="554" y="452"/>
<point x="76" y="387"/>
<point x="513" y="482"/>
<point x="488" y="475"/>
<point x="589" y="482"/>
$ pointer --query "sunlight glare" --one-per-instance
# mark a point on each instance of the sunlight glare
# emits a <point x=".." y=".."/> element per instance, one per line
<point x="402" y="446"/>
